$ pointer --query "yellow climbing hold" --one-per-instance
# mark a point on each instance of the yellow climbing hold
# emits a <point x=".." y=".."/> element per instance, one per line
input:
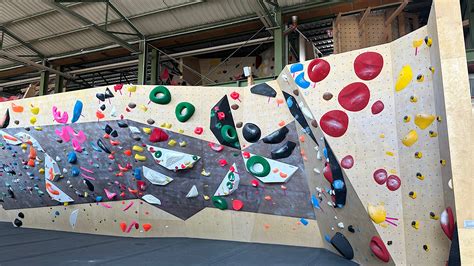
<point x="442" y="162"/>
<point x="417" y="43"/>
<point x="139" y="157"/>
<point x="420" y="78"/>
<point x="23" y="146"/>
<point x="183" y="143"/>
<point x="420" y="176"/>
<point x="418" y="154"/>
<point x="38" y="128"/>
<point x="204" y="173"/>
<point x="377" y="213"/>
<point x="206" y="197"/>
<point x="172" y="142"/>
<point x="34" y="109"/>
<point x="428" y="41"/>
<point x="415" y="224"/>
<point x="433" y="134"/>
<point x="434" y="216"/>
<point x="41" y="171"/>
<point x="410" y="138"/>
<point x="389" y="153"/>
<point x="33" y="120"/>
<point x="147" y="130"/>
<point x="382" y="136"/>
<point x="404" y="78"/>
<point x="143" y="107"/>
<point x="166" y="125"/>
<point x="137" y="148"/>
<point x="66" y="203"/>
<point x="413" y="99"/>
<point x="432" y="69"/>
<point x="406" y="119"/>
<point x="132" y="89"/>
<point x="412" y="194"/>
<point x="181" y="131"/>
<point x="423" y="121"/>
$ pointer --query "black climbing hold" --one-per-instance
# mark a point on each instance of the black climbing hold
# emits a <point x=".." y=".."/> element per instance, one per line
<point x="108" y="129"/>
<point x="341" y="244"/>
<point x="101" y="145"/>
<point x="102" y="107"/>
<point x="263" y="89"/>
<point x="108" y="94"/>
<point x="296" y="112"/>
<point x="283" y="151"/>
<point x="150" y="121"/>
<point x="122" y="124"/>
<point x="389" y="242"/>
<point x="89" y="185"/>
<point x="5" y="121"/>
<point x="251" y="132"/>
<point x="10" y="193"/>
<point x="351" y="228"/>
<point x="100" y="96"/>
<point x="222" y="124"/>
<point x="27" y="128"/>
<point x="21" y="215"/>
<point x="277" y="136"/>
<point x="17" y="222"/>
<point x="132" y="105"/>
<point x="114" y="133"/>
<point x="340" y="191"/>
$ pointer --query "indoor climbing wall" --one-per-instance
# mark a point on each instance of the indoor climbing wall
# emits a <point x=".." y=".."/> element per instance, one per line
<point x="346" y="152"/>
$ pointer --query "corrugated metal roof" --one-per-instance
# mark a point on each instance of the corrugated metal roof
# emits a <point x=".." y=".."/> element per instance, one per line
<point x="53" y="33"/>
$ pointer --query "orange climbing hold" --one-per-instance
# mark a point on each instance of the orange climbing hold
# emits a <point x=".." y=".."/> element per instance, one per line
<point x="146" y="227"/>
<point x="17" y="108"/>
<point x="123" y="226"/>
<point x="51" y="190"/>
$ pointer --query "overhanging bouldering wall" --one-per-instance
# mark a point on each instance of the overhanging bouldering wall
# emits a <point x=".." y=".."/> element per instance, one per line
<point x="350" y="152"/>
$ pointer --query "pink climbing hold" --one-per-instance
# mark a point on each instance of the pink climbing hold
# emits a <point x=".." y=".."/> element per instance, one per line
<point x="347" y="162"/>
<point x="237" y="205"/>
<point x="377" y="107"/>
<point x="118" y="87"/>
<point x="222" y="162"/>
<point x="109" y="194"/>
<point x="380" y="176"/>
<point x="368" y="65"/>
<point x="198" y="130"/>
<point x="235" y="95"/>
<point x="318" y="70"/>
<point x="60" y="118"/>
<point x="132" y="224"/>
<point x="216" y="147"/>
<point x="334" y="123"/>
<point x="354" y="97"/>
<point x="128" y="206"/>
<point x="393" y="182"/>
<point x="158" y="135"/>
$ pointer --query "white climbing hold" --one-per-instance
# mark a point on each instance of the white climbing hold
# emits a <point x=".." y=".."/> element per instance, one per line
<point x="73" y="218"/>
<point x="450" y="183"/>
<point x="156" y="178"/>
<point x="193" y="192"/>
<point x="318" y="156"/>
<point x="230" y="182"/>
<point x="316" y="170"/>
<point x="151" y="199"/>
<point x="340" y="225"/>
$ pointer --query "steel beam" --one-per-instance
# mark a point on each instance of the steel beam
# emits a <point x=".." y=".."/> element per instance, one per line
<point x="44" y="80"/>
<point x="89" y="24"/>
<point x="279" y="43"/>
<point x="124" y="18"/>
<point x="142" y="63"/>
<point x="18" y="39"/>
<point x="59" y="81"/>
<point x="155" y="66"/>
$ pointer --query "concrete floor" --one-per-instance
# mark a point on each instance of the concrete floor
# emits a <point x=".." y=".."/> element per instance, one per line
<point x="21" y="246"/>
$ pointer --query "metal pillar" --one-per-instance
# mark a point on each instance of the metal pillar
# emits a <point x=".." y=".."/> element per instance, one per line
<point x="142" y="63"/>
<point x="279" y="43"/>
<point x="44" y="80"/>
<point x="59" y="81"/>
<point x="302" y="48"/>
<point x="155" y="67"/>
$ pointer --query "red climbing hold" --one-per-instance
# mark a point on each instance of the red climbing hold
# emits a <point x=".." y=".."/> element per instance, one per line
<point x="146" y="227"/>
<point x="334" y="123"/>
<point x="123" y="226"/>
<point x="128" y="152"/>
<point x="220" y="115"/>
<point x="254" y="183"/>
<point x="368" y="65"/>
<point x="347" y="162"/>
<point x="354" y="97"/>
<point x="246" y="154"/>
<point x="380" y="176"/>
<point x="158" y="135"/>
<point x="393" y="182"/>
<point x="327" y="173"/>
<point x="237" y="205"/>
<point x="198" y="130"/>
<point x="447" y="222"/>
<point x="377" y="107"/>
<point x="99" y="115"/>
<point x="378" y="248"/>
<point x="222" y="162"/>
<point x="318" y="69"/>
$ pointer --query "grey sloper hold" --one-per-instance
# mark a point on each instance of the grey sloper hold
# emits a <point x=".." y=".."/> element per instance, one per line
<point x="263" y="89"/>
<point x="283" y="151"/>
<point x="277" y="136"/>
<point x="251" y="132"/>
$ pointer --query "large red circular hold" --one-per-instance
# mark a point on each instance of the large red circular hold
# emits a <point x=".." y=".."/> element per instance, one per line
<point x="377" y="107"/>
<point x="354" y="97"/>
<point x="318" y="69"/>
<point x="347" y="162"/>
<point x="380" y="176"/>
<point x="334" y="123"/>
<point x="393" y="182"/>
<point x="368" y="65"/>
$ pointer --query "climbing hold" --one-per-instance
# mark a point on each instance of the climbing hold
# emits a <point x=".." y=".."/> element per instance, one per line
<point x="406" y="119"/>
<point x="354" y="97"/>
<point x="151" y="199"/>
<point x="75" y="171"/>
<point x="327" y="96"/>
<point x="17" y="108"/>
<point x="283" y="151"/>
<point x="99" y="115"/>
<point x="301" y="81"/>
<point x="234" y="106"/>
<point x="393" y="182"/>
<point x="235" y="95"/>
<point x="122" y="124"/>
<point x="420" y="176"/>
<point x="251" y="132"/>
<point x="219" y="202"/>
<point x="160" y="95"/>
<point x="123" y="226"/>
<point x="184" y="111"/>
<point x="341" y="244"/>
<point x="216" y="147"/>
<point x="77" y="111"/>
<point x="377" y="213"/>
<point x="263" y="89"/>
<point x="158" y="135"/>
<point x="137" y="148"/>
<point x="101" y="145"/>
<point x="413" y="99"/>
<point x="198" y="130"/>
<point x="150" y="121"/>
<point x="447" y="222"/>
<point x="254" y="183"/>
<point x="229" y="134"/>
<point x="378" y="248"/>
<point x="33" y="120"/>
<point x="418" y="154"/>
<point x="434" y="216"/>
<point x="428" y="41"/>
<point x="377" y="107"/>
<point x="334" y="123"/>
<point x="433" y="134"/>
<point x="423" y="121"/>
<point x="222" y="162"/>
<point x="351" y="229"/>
<point x="258" y="160"/>
<point x="420" y="78"/>
<point x="146" y="227"/>
<point x="404" y="78"/>
<point x="442" y="162"/>
<point x="318" y="70"/>
<point x="34" y="109"/>
<point x="426" y="248"/>
<point x="327" y="173"/>
<point x="193" y="192"/>
<point x="140" y="158"/>
<point x="412" y="194"/>
<point x="415" y="224"/>
<point x="17" y="222"/>
<point x="5" y="120"/>
<point x="276" y="136"/>
<point x="368" y="65"/>
<point x="72" y="157"/>
<point x="347" y="162"/>
<point x="410" y="138"/>
<point x="172" y="143"/>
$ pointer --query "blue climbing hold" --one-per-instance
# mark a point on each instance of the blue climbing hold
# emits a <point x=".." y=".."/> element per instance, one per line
<point x="137" y="173"/>
<point x="301" y="82"/>
<point x="325" y="153"/>
<point x="77" y="111"/>
<point x="75" y="171"/>
<point x="72" y="157"/>
<point x="327" y="238"/>
<point x="98" y="198"/>
<point x="315" y="202"/>
<point x="338" y="184"/>
<point x="289" y="102"/>
<point x="304" y="221"/>
<point x="296" y="67"/>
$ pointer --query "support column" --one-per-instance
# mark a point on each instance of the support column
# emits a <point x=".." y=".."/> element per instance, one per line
<point x="155" y="67"/>
<point x="142" y="63"/>
<point x="44" y="80"/>
<point x="302" y="48"/>
<point x="279" y="43"/>
<point x="59" y="82"/>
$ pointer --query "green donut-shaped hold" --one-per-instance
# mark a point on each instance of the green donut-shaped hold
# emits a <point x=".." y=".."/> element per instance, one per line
<point x="229" y="133"/>
<point x="258" y="160"/>
<point x="165" y="98"/>
<point x="158" y="154"/>
<point x="188" y="111"/>
<point x="219" y="203"/>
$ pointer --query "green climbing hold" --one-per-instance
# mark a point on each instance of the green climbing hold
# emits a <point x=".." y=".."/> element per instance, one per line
<point x="219" y="203"/>
<point x="254" y="160"/>
<point x="229" y="133"/>
<point x="184" y="111"/>
<point x="160" y="95"/>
